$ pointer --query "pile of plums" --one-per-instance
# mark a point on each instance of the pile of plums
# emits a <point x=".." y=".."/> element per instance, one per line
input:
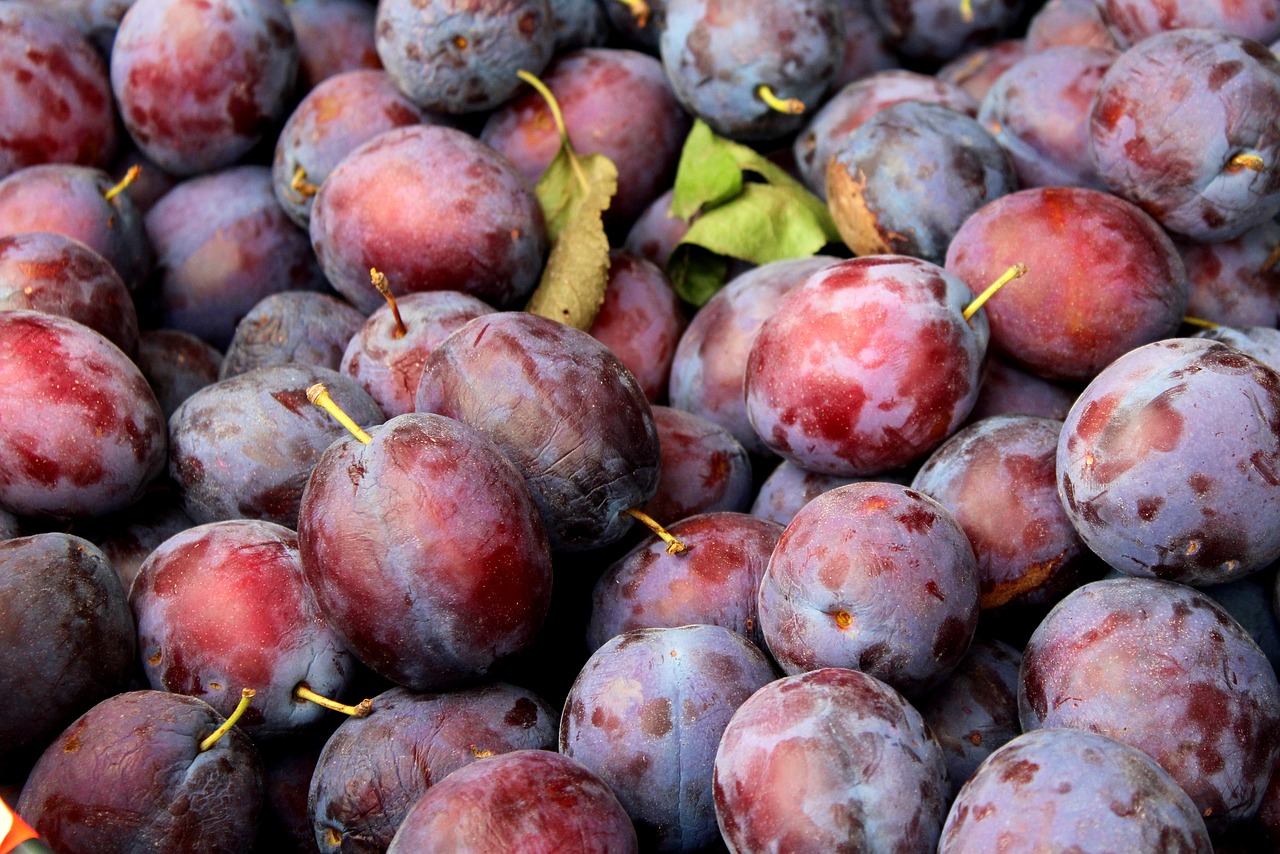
<point x="962" y="535"/>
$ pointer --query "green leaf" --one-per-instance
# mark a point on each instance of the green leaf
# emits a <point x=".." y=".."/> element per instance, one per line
<point x="574" y="193"/>
<point x="750" y="220"/>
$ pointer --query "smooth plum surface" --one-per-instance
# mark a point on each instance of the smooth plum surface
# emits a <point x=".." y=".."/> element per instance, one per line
<point x="1063" y="22"/>
<point x="177" y="365"/>
<point x="222" y="607"/>
<point x="789" y="487"/>
<point x="374" y="769"/>
<point x="1235" y="282"/>
<point x="646" y="713"/>
<point x="1167" y="464"/>
<point x="562" y="407"/>
<point x="874" y="577"/>
<point x="977" y="70"/>
<point x="1009" y="390"/>
<point x="1063" y="789"/>
<point x="829" y="760"/>
<point x="334" y="37"/>
<point x="425" y="550"/>
<point x="703" y="468"/>
<point x="83" y="433"/>
<point x="713" y="582"/>
<point x="866" y="366"/>
<point x="523" y="802"/>
<point x="1163" y="668"/>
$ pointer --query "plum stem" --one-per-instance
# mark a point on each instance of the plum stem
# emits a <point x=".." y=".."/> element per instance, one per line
<point x="639" y="10"/>
<point x="129" y="177"/>
<point x="246" y="695"/>
<point x="359" y="710"/>
<point x="300" y="185"/>
<point x="791" y="106"/>
<point x="384" y="287"/>
<point x="674" y="546"/>
<point x="1271" y="259"/>
<point x="1017" y="271"/>
<point x="319" y="395"/>
<point x="966" y="11"/>
<point x="1200" y="322"/>
<point x="843" y="619"/>
<point x="554" y="106"/>
<point x="1243" y="160"/>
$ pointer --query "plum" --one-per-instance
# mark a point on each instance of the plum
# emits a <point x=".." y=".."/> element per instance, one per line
<point x="1063" y="22"/>
<point x="531" y="801"/>
<point x="1008" y="390"/>
<point x="1163" y="668"/>
<point x="1167" y="464"/>
<point x="875" y="577"/>
<point x="1131" y="21"/>
<point x="703" y="469"/>
<point x="294" y="326"/>
<point x="176" y="364"/>
<point x="646" y="713"/>
<point x="84" y="434"/>
<point x="977" y="70"/>
<point x="932" y="32"/>
<point x="829" y="760"/>
<point x="1064" y="789"/>
<point x="712" y="582"/>
<point x="374" y="768"/>
<point x="333" y="37"/>
<point x="789" y="487"/>
<point x="1235" y="282"/>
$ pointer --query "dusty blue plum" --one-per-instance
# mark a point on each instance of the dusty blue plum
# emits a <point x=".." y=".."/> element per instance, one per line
<point x="1072" y="790"/>
<point x="646" y="713"/>
<point x="455" y="56"/>
<point x="294" y="326"/>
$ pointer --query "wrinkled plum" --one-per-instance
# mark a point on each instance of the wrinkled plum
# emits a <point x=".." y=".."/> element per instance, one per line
<point x="388" y="361"/>
<point x="904" y="153"/>
<point x="1183" y="125"/>
<point x="711" y="357"/>
<point x="533" y="801"/>
<point x="997" y="477"/>
<point x="722" y="67"/>
<point x="640" y="320"/>
<point x="976" y="709"/>
<point x="1169" y="461"/>
<point x="1039" y="113"/>
<point x="200" y="83"/>
<point x="83" y="433"/>
<point x="177" y="365"/>
<point x="866" y="366"/>
<point x="1069" y="790"/>
<point x="373" y="769"/>
<point x="425" y="550"/>
<point x="563" y="408"/>
<point x="713" y="582"/>
<point x="616" y="103"/>
<point x="433" y="209"/>
<point x="646" y="713"/>
<point x="858" y="101"/>
<point x="1102" y="278"/>
<point x="703" y="469"/>
<point x="54" y="90"/>
<point x="453" y="56"/>
<point x="829" y="759"/>
<point x="874" y="577"/>
<point x="66" y="636"/>
<point x="243" y="448"/>
<point x="129" y="775"/>
<point x="1163" y="668"/>
<point x="295" y="326"/>
<point x="222" y="607"/>
<point x="332" y="120"/>
<point x="222" y="244"/>
<point x="42" y="271"/>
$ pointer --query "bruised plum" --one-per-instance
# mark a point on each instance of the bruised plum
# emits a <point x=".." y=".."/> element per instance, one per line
<point x="646" y="713"/>
<point x="829" y="760"/>
<point x="1169" y="462"/>
<point x="1163" y="668"/>
<point x="1071" y="790"/>
<point x="532" y="801"/>
<point x="562" y="407"/>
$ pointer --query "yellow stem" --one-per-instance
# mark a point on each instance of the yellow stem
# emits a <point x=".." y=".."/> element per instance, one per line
<point x="1252" y="162"/>
<point x="319" y="395"/>
<point x="359" y="710"/>
<point x="674" y="546"/>
<point x="1196" y="321"/>
<point x="793" y="106"/>
<point x="119" y="188"/>
<point x="1017" y="271"/>
<point x="300" y="185"/>
<point x="245" y="696"/>
<point x="966" y="11"/>
<point x="554" y="106"/>
<point x="384" y="287"/>
<point x="639" y="11"/>
<point x="1271" y="259"/>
